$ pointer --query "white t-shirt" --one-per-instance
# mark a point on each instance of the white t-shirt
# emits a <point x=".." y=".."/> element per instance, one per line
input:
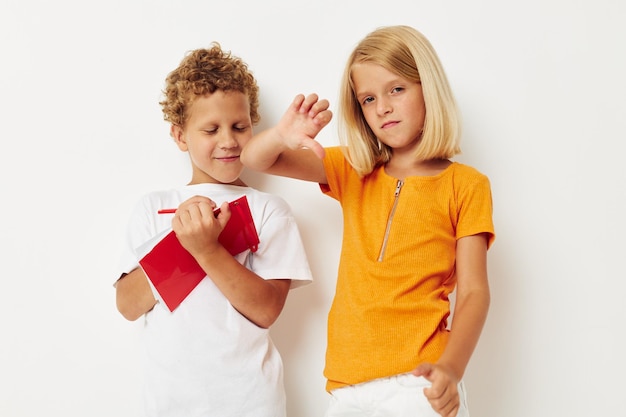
<point x="205" y="358"/>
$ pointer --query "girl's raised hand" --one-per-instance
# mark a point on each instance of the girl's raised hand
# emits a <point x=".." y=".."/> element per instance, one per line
<point x="303" y="120"/>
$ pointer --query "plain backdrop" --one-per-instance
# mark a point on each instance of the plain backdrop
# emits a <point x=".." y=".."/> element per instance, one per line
<point x="541" y="87"/>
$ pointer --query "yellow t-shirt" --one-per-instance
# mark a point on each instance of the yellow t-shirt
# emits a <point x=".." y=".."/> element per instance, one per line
<point x="396" y="268"/>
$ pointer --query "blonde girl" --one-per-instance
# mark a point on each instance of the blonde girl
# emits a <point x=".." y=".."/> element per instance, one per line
<point x="417" y="227"/>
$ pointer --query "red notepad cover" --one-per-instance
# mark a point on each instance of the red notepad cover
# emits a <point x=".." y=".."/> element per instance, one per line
<point x="175" y="273"/>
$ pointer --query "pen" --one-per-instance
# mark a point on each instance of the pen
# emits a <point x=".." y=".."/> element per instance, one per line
<point x="173" y="210"/>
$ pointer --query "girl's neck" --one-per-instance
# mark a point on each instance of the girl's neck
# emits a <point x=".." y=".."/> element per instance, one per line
<point x="428" y="168"/>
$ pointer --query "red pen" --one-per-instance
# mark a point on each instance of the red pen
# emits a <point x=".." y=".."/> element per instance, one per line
<point x="173" y="210"/>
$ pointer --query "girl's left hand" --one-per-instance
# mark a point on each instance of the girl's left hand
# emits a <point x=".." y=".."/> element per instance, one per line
<point x="443" y="394"/>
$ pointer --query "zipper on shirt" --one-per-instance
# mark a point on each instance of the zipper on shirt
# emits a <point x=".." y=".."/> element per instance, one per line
<point x="390" y="220"/>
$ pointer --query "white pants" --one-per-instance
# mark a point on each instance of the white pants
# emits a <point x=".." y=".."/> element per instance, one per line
<point x="396" y="396"/>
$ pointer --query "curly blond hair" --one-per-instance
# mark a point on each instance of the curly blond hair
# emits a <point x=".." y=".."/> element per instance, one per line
<point x="202" y="72"/>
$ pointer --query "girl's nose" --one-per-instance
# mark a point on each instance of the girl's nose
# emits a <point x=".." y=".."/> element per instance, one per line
<point x="383" y="106"/>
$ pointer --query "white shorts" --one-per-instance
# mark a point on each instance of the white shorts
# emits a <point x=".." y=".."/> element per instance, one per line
<point x="398" y="396"/>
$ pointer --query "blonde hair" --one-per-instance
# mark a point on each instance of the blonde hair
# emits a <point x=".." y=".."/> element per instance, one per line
<point x="406" y="52"/>
<point x="202" y="72"/>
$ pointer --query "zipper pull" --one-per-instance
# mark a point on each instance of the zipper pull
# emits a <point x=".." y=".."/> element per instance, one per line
<point x="398" y="186"/>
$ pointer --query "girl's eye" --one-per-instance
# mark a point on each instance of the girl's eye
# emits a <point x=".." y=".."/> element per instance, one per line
<point x="367" y="100"/>
<point x="210" y="131"/>
<point x="241" y="128"/>
<point x="397" y="89"/>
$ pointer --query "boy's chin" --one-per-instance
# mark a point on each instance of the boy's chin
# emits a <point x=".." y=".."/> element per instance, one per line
<point x="233" y="180"/>
<point x="229" y="177"/>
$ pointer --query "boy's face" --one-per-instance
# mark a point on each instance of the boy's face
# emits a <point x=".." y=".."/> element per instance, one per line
<point x="217" y="129"/>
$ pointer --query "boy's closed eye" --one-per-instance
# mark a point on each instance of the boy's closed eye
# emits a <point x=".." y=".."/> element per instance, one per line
<point x="241" y="128"/>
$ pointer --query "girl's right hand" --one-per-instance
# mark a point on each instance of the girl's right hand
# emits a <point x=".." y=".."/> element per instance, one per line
<point x="303" y="120"/>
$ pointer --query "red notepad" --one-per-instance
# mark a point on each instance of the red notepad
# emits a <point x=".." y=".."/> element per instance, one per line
<point x="175" y="273"/>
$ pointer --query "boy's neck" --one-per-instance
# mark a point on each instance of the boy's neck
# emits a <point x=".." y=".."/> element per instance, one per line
<point x="238" y="182"/>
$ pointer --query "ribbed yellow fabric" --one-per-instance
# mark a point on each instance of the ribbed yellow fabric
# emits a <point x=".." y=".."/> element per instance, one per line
<point x="390" y="315"/>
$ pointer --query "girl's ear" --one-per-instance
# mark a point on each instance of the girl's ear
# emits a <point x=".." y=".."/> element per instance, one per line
<point x="178" y="134"/>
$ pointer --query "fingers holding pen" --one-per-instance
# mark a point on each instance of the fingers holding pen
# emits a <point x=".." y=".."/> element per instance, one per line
<point x="196" y="225"/>
<point x="196" y="200"/>
<point x="194" y="209"/>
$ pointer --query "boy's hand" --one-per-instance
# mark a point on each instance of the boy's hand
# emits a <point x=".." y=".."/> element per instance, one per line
<point x="443" y="393"/>
<point x="302" y="121"/>
<point x="196" y="226"/>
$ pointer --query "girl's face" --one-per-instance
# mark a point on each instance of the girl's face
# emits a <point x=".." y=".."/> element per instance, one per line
<point x="217" y="129"/>
<point x="392" y="105"/>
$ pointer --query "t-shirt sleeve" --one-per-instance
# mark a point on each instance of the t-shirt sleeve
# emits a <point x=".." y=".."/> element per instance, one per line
<point x="476" y="208"/>
<point x="281" y="253"/>
<point x="138" y="231"/>
<point x="334" y="165"/>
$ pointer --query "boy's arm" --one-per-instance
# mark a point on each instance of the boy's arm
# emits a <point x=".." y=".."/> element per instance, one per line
<point x="260" y="301"/>
<point x="470" y="313"/>
<point x="133" y="295"/>
<point x="285" y="149"/>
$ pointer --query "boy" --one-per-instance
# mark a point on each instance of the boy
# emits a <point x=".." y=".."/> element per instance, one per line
<point x="212" y="356"/>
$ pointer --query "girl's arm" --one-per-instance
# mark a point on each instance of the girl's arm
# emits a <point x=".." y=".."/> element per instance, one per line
<point x="472" y="303"/>
<point x="197" y="229"/>
<point x="285" y="149"/>
<point x="470" y="313"/>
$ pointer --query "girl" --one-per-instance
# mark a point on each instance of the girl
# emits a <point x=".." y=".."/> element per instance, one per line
<point x="416" y="226"/>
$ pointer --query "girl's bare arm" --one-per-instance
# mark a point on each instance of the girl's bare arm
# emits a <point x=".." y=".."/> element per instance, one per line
<point x="289" y="149"/>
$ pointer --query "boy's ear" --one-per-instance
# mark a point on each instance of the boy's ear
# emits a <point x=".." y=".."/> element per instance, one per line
<point x="178" y="135"/>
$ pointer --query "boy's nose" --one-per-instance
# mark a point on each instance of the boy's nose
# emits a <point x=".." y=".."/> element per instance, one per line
<point x="227" y="140"/>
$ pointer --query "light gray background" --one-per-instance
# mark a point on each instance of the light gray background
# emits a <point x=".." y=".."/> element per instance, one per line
<point x="541" y="86"/>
